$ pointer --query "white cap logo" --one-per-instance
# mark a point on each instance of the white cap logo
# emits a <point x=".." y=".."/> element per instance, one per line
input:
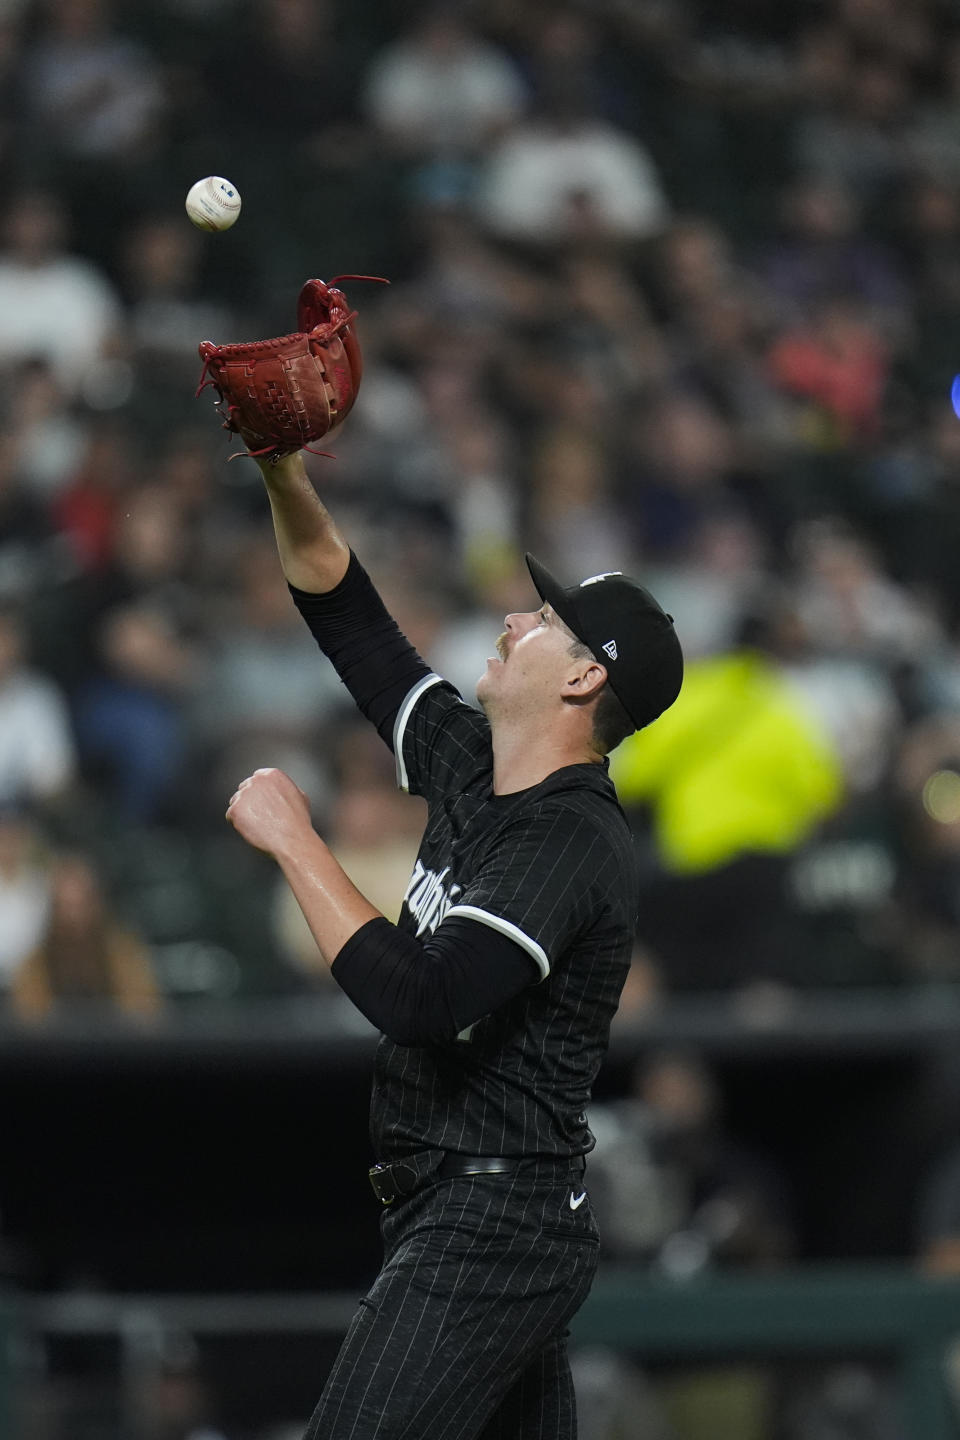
<point x="594" y="579"/>
<point x="610" y="648"/>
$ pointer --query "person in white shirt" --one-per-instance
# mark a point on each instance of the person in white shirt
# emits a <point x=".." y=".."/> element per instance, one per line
<point x="564" y="174"/>
<point x="54" y="306"/>
<point x="37" y="754"/>
<point x="442" y="89"/>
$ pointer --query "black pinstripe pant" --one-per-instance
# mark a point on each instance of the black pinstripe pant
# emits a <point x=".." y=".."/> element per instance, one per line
<point x="463" y="1334"/>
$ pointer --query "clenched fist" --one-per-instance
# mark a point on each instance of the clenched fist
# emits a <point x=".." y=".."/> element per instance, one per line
<point x="270" y="812"/>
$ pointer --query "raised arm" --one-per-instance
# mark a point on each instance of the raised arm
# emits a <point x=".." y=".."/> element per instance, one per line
<point x="313" y="554"/>
<point x="337" y="599"/>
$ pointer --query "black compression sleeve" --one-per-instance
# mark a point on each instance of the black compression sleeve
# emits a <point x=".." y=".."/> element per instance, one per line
<point x="373" y="658"/>
<point x="425" y="992"/>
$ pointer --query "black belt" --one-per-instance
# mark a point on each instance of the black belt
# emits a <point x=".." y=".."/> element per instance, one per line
<point x="402" y="1177"/>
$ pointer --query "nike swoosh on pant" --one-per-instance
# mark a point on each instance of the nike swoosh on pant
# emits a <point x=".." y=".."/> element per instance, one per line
<point x="577" y="1200"/>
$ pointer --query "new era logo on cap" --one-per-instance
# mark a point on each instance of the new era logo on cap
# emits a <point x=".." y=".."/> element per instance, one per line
<point x="648" y="672"/>
<point x="595" y="579"/>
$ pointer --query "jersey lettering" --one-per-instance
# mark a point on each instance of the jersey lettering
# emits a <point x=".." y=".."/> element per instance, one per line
<point x="427" y="898"/>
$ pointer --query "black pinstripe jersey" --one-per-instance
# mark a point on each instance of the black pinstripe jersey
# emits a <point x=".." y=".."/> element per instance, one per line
<point x="553" y="868"/>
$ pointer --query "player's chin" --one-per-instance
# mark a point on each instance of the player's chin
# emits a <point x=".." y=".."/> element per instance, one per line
<point x="484" y="685"/>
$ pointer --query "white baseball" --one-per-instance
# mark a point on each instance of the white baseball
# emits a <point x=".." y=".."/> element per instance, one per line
<point x="213" y="203"/>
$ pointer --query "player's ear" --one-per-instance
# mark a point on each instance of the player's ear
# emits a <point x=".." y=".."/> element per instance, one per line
<point x="584" y="680"/>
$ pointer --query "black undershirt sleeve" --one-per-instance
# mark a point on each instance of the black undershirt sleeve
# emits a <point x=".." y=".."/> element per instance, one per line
<point x="425" y="992"/>
<point x="365" y="645"/>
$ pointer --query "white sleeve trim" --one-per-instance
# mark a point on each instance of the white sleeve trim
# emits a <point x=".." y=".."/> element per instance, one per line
<point x="506" y="927"/>
<point x="400" y="725"/>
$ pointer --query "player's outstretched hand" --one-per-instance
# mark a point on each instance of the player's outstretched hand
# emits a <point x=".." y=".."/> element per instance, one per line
<point x="281" y="394"/>
<point x="270" y="812"/>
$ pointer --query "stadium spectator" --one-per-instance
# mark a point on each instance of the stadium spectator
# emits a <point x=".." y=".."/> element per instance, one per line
<point x="129" y="713"/>
<point x="678" y="468"/>
<point x="85" y="956"/>
<point x="24" y="887"/>
<point x="11" y="86"/>
<point x="48" y="437"/>
<point x="299" y="78"/>
<point x="835" y="367"/>
<point x="822" y="253"/>
<point x="86" y="508"/>
<point x="859" y="139"/>
<point x="695" y="264"/>
<point x="927" y="779"/>
<point x="37" y="751"/>
<point x="167" y="303"/>
<point x="671" y="1184"/>
<point x="25" y="527"/>
<point x="564" y="176"/>
<point x="938" y="1215"/>
<point x="263" y="692"/>
<point x="92" y="93"/>
<point x="55" y="304"/>
<point x="572" y="517"/>
<point x="675" y="1191"/>
<point x="743" y="772"/>
<point x="440" y="89"/>
<point x="849" y="606"/>
<point x="715" y="584"/>
<point x="933" y="133"/>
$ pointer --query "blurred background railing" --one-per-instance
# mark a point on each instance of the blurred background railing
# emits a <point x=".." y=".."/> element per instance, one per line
<point x="881" y="1315"/>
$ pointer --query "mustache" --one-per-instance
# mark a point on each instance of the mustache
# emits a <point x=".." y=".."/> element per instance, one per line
<point x="501" y="646"/>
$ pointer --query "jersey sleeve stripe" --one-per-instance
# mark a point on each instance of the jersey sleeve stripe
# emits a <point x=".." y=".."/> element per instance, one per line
<point x="506" y="927"/>
<point x="400" y="725"/>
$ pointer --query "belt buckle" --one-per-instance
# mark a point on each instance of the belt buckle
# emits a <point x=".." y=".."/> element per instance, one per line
<point x="383" y="1183"/>
<point x="392" y="1181"/>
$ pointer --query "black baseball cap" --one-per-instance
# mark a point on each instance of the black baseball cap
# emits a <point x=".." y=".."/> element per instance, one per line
<point x="628" y="632"/>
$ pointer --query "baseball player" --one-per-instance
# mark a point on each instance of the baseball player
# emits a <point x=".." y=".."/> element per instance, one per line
<point x="495" y="991"/>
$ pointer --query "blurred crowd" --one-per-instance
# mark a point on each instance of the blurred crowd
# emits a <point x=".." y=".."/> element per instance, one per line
<point x="674" y="288"/>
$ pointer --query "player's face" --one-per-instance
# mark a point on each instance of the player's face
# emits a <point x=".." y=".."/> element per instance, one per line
<point x="530" y="666"/>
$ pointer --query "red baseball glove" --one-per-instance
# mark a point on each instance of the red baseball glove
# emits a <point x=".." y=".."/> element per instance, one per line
<point x="279" y="395"/>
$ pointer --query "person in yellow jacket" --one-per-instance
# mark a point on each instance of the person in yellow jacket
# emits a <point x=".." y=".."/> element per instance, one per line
<point x="733" y="779"/>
